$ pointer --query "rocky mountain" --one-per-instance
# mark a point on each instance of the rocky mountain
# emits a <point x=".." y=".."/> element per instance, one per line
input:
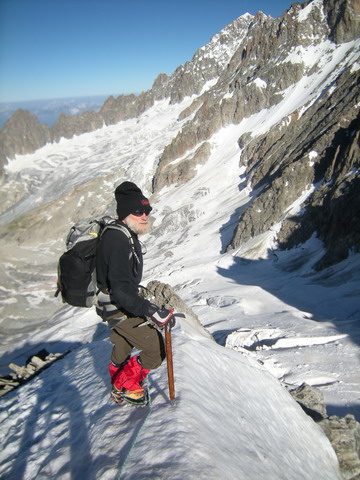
<point x="307" y="58"/>
<point x="318" y="144"/>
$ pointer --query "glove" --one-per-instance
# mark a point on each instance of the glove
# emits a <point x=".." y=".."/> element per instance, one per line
<point x="162" y="317"/>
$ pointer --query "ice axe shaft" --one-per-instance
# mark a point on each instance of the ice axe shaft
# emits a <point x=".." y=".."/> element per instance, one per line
<point x="169" y="361"/>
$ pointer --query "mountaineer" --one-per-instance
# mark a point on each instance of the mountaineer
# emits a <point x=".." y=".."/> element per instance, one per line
<point x="134" y="321"/>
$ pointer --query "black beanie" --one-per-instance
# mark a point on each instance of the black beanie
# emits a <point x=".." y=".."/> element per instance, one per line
<point x="129" y="199"/>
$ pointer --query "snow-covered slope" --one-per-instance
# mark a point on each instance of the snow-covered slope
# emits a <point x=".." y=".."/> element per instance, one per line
<point x="231" y="419"/>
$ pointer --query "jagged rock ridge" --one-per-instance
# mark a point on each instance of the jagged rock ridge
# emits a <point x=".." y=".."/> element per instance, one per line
<point x="317" y="145"/>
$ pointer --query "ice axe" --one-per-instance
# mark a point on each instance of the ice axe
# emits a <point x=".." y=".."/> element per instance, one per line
<point x="169" y="359"/>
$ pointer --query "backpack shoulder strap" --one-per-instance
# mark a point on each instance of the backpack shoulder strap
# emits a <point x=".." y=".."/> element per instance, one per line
<point x="121" y="228"/>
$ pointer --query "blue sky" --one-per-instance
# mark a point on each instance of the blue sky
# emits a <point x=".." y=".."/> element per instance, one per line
<point x="72" y="48"/>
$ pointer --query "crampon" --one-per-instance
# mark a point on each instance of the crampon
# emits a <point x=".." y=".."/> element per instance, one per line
<point x="139" y="397"/>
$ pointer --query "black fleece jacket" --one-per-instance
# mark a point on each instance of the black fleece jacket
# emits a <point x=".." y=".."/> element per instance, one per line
<point x="119" y="272"/>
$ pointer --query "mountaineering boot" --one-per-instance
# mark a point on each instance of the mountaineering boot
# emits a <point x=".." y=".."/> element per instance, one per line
<point x="127" y="382"/>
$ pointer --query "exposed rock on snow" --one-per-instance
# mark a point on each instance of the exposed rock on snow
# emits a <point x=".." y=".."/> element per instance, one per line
<point x="22" y="374"/>
<point x="163" y="294"/>
<point x="343" y="433"/>
<point x="311" y="400"/>
<point x="182" y="171"/>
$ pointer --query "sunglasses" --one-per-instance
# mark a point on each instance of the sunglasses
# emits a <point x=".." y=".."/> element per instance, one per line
<point x="140" y="213"/>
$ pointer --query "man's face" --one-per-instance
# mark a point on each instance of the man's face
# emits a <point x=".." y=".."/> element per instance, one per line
<point x="138" y="222"/>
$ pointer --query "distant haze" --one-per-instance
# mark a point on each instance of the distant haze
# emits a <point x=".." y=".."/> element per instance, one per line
<point x="48" y="111"/>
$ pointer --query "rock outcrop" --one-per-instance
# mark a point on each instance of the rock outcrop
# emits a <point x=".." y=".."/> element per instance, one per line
<point x="321" y="147"/>
<point x="67" y="126"/>
<point x="163" y="294"/>
<point x="344" y="19"/>
<point x="343" y="432"/>
<point x="21" y="374"/>
<point x="21" y="134"/>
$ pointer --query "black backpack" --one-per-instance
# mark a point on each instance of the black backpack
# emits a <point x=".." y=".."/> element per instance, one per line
<point x="77" y="266"/>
